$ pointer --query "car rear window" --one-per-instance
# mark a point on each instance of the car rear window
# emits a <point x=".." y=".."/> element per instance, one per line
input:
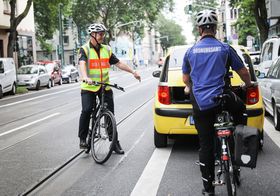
<point x="176" y="58"/>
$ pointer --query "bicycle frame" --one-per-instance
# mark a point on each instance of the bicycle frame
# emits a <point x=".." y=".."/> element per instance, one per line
<point x="101" y="119"/>
<point x="224" y="128"/>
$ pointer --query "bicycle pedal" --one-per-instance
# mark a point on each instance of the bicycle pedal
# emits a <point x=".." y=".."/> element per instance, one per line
<point x="218" y="183"/>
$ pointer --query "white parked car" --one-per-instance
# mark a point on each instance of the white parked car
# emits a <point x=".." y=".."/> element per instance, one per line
<point x="7" y="76"/>
<point x="33" y="77"/>
<point x="70" y="73"/>
<point x="270" y="51"/>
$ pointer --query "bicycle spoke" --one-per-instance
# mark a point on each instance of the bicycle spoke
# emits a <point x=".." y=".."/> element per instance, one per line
<point x="105" y="129"/>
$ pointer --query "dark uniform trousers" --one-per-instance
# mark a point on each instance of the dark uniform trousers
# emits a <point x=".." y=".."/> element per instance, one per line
<point x="88" y="104"/>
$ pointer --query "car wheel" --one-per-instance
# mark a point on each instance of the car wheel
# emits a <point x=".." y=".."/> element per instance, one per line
<point x="276" y="118"/>
<point x="160" y="140"/>
<point x="77" y="79"/>
<point x="1" y="92"/>
<point x="13" y="91"/>
<point x="49" y="84"/>
<point x="38" y="85"/>
<point x="60" y="81"/>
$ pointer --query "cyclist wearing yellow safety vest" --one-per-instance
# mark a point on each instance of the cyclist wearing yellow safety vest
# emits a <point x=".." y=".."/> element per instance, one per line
<point x="94" y="63"/>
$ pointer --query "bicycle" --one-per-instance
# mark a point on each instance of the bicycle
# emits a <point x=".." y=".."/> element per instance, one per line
<point x="224" y="129"/>
<point x="102" y="134"/>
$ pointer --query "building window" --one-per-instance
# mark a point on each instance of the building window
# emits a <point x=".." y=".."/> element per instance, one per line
<point x="235" y="13"/>
<point x="66" y="40"/>
<point x="7" y="9"/>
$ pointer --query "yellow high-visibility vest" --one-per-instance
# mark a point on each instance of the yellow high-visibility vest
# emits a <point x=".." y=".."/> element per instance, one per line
<point x="97" y="68"/>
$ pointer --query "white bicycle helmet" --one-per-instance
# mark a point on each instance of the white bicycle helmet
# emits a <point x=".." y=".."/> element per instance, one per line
<point x="206" y="17"/>
<point x="96" y="27"/>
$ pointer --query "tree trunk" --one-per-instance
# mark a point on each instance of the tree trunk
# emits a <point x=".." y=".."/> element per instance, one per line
<point x="14" y="22"/>
<point x="261" y="19"/>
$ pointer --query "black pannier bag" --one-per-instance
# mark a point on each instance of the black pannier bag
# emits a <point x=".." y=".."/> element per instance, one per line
<point x="246" y="146"/>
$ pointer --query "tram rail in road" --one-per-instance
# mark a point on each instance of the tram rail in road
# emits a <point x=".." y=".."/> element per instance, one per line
<point x="43" y="180"/>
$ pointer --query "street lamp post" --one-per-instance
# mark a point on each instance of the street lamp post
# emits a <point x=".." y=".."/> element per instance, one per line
<point x="61" y="42"/>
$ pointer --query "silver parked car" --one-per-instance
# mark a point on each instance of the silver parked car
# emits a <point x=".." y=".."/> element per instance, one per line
<point x="270" y="87"/>
<point x="70" y="73"/>
<point x="33" y="77"/>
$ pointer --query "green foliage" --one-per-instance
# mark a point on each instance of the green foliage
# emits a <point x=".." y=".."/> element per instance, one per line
<point x="21" y="90"/>
<point x="172" y="30"/>
<point x="197" y="6"/>
<point x="246" y="22"/>
<point x="46" y="19"/>
<point x="114" y="12"/>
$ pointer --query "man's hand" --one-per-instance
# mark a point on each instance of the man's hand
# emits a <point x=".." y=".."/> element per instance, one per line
<point x="136" y="76"/>
<point x="250" y="85"/>
<point x="187" y="90"/>
<point x="87" y="80"/>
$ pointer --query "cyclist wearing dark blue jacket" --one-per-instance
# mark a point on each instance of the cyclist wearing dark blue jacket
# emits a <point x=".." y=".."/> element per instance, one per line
<point x="204" y="73"/>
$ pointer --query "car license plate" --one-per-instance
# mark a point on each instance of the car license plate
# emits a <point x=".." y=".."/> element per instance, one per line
<point x="191" y="120"/>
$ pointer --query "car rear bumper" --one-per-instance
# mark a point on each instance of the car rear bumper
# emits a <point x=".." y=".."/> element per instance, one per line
<point x="184" y="113"/>
<point x="177" y="120"/>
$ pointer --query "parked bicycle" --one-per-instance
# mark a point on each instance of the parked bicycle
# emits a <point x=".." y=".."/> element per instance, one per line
<point x="102" y="135"/>
<point x="224" y="128"/>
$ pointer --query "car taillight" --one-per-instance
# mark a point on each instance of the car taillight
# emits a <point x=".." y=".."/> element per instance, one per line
<point x="164" y="95"/>
<point x="252" y="95"/>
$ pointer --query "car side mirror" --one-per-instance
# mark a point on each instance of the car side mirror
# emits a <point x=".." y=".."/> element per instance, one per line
<point x="257" y="61"/>
<point x="247" y="59"/>
<point x="157" y="73"/>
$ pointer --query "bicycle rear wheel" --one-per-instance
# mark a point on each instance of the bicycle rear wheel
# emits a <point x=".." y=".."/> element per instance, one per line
<point x="104" y="136"/>
<point x="229" y="178"/>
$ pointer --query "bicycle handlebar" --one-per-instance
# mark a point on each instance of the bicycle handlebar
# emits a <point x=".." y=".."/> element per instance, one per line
<point x="95" y="83"/>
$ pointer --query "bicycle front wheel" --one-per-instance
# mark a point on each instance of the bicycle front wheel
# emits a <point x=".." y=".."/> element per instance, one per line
<point x="104" y="136"/>
<point x="229" y="179"/>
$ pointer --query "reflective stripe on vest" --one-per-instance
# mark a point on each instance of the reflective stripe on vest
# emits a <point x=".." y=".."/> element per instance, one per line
<point x="97" y="68"/>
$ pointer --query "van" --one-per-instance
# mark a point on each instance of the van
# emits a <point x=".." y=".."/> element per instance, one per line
<point x="7" y="76"/>
<point x="270" y="51"/>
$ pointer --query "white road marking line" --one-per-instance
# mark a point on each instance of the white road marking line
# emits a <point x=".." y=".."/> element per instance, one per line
<point x="271" y="132"/>
<point x="151" y="177"/>
<point x="134" y="84"/>
<point x="28" y="124"/>
<point x="26" y="100"/>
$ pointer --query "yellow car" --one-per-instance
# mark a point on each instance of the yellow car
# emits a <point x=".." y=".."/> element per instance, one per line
<point x="172" y="112"/>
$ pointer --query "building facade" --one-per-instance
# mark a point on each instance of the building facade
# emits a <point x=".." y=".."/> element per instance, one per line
<point x="26" y="50"/>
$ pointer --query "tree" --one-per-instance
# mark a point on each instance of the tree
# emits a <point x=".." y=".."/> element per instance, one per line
<point x="197" y="6"/>
<point x="113" y="12"/>
<point x="252" y="9"/>
<point x="14" y="22"/>
<point x="246" y="23"/>
<point x="261" y="19"/>
<point x="46" y="20"/>
<point x="172" y="30"/>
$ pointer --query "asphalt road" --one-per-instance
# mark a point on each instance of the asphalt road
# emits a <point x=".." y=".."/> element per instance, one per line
<point x="38" y="133"/>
